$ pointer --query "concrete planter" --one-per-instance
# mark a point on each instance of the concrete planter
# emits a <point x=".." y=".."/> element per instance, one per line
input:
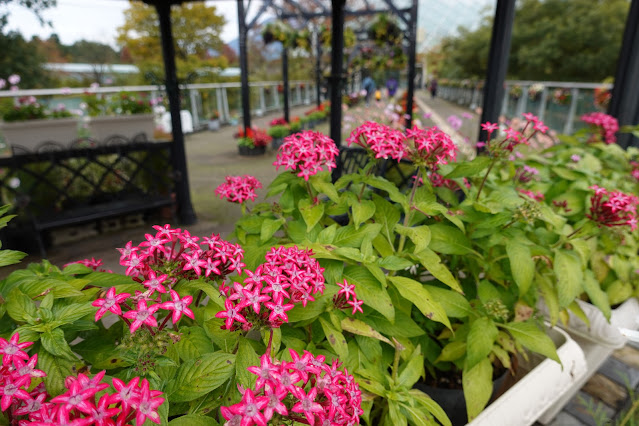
<point x="29" y="134"/>
<point x="214" y="125"/>
<point x="128" y="126"/>
<point x="542" y="383"/>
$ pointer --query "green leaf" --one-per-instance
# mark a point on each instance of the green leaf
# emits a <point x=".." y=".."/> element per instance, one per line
<point x="412" y="370"/>
<point x="246" y="357"/>
<point x="370" y="290"/>
<point x="53" y="341"/>
<point x="348" y="236"/>
<point x="522" y="264"/>
<point x="394" y="263"/>
<point x="597" y="296"/>
<point x="480" y="340"/>
<point x="57" y="370"/>
<point x="469" y="168"/>
<point x="478" y="387"/>
<point x="393" y="192"/>
<point x="73" y="312"/>
<point x="269" y="227"/>
<point x="274" y="190"/>
<point x="419" y="235"/>
<point x="10" y="257"/>
<point x="455" y="305"/>
<point x="311" y="310"/>
<point x="430" y="405"/>
<point x="417" y="293"/>
<point x="199" y="376"/>
<point x="321" y="183"/>
<point x="449" y="240"/>
<point x="327" y="235"/>
<point x="395" y="417"/>
<point x="550" y="297"/>
<point x="387" y="215"/>
<point x="432" y="262"/>
<point x="194" y="343"/>
<point x="312" y="213"/>
<point x="362" y="211"/>
<point x="20" y="307"/>
<point x="403" y="326"/>
<point x="193" y="420"/>
<point x="355" y="326"/>
<point x="569" y="272"/>
<point x="531" y="337"/>
<point x="452" y="351"/>
<point x="101" y="353"/>
<point x="335" y="339"/>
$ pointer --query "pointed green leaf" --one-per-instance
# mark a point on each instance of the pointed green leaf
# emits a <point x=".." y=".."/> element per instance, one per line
<point x="335" y="339"/>
<point x="355" y="326"/>
<point x="597" y="296"/>
<point x="194" y="343"/>
<point x="362" y="211"/>
<point x="432" y="262"/>
<point x="370" y="290"/>
<point x="419" y="235"/>
<point x="417" y="293"/>
<point x="532" y="338"/>
<point x="200" y="376"/>
<point x="455" y="305"/>
<point x="312" y="213"/>
<point x="246" y="357"/>
<point x="481" y="338"/>
<point x="522" y="264"/>
<point x="478" y="387"/>
<point x="569" y="272"/>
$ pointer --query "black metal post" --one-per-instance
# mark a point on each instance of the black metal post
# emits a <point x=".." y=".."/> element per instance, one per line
<point x="337" y="54"/>
<point x="185" y="208"/>
<point x="624" y="104"/>
<point x="497" y="63"/>
<point x="318" y="69"/>
<point x="246" y="106"/>
<point x="411" y="64"/>
<point x="286" y="85"/>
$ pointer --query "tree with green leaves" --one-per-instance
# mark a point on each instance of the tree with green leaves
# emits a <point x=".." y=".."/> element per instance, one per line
<point x="196" y="32"/>
<point x="576" y="40"/>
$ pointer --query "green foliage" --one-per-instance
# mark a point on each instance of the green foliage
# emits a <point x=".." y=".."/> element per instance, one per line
<point x="278" y="131"/>
<point x="552" y="40"/>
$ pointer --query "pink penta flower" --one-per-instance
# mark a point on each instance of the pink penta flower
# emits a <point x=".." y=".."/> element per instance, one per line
<point x="125" y="394"/>
<point x="31" y="405"/>
<point x="431" y="146"/>
<point x="489" y="127"/>
<point x="613" y="208"/>
<point x="12" y="389"/>
<point x="357" y="305"/>
<point x="143" y="315"/>
<point x="12" y="349"/>
<point x="238" y="189"/>
<point x="146" y="404"/>
<point x="606" y="126"/>
<point x="231" y="313"/>
<point x="111" y="303"/>
<point x="14" y="79"/>
<point x="307" y="153"/>
<point x="278" y="311"/>
<point x="154" y="282"/>
<point x="76" y="398"/>
<point x="102" y="415"/>
<point x="179" y="306"/>
<point x="28" y="368"/>
<point x="382" y="141"/>
<point x="307" y="404"/>
<point x="535" y="195"/>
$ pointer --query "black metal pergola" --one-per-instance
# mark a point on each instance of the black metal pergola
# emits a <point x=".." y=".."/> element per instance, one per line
<point x="624" y="104"/>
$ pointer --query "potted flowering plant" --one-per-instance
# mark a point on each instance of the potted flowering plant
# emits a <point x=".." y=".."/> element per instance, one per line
<point x="253" y="142"/>
<point x="278" y="130"/>
<point x="128" y="115"/>
<point x="534" y="92"/>
<point x="214" y="121"/>
<point x="561" y="96"/>
<point x="515" y="91"/>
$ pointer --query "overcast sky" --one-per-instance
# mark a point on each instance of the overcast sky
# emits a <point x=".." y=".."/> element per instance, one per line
<point x="97" y="20"/>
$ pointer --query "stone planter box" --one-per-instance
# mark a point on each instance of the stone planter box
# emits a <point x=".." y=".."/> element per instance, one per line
<point x="29" y="134"/>
<point x="128" y="126"/>
<point x="214" y="125"/>
<point x="542" y="383"/>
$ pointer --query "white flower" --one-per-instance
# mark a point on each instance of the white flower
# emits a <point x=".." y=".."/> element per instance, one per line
<point x="3" y="83"/>
<point x="14" y="182"/>
<point x="14" y="79"/>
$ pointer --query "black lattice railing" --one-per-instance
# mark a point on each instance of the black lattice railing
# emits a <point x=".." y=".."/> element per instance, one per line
<point x="58" y="186"/>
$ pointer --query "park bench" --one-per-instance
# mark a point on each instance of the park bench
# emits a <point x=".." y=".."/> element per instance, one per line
<point x="58" y="186"/>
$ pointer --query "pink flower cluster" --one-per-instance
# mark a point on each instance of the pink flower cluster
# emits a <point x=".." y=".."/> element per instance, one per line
<point x="431" y="146"/>
<point x="238" y="189"/>
<point x="383" y="141"/>
<point x="307" y="153"/>
<point x="76" y="406"/>
<point x="607" y="125"/>
<point x="173" y="253"/>
<point x="635" y="169"/>
<point x="92" y="263"/>
<point x="534" y="195"/>
<point x="278" y="122"/>
<point x="289" y="276"/>
<point x="613" y="208"/>
<point x="346" y="297"/>
<point x="514" y="137"/>
<point x="305" y="390"/>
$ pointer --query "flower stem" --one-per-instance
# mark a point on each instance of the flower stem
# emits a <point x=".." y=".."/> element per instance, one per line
<point x="483" y="182"/>
<point x="199" y="296"/>
<point x="166" y="319"/>
<point x="398" y="349"/>
<point x="409" y="214"/>
<point x="310" y="191"/>
<point x="270" y="342"/>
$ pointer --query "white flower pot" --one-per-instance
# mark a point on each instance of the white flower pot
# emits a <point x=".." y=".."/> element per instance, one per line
<point x="537" y="391"/>
<point x="31" y="133"/>
<point x="128" y="126"/>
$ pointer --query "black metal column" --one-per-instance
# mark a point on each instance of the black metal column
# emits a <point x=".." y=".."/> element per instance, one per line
<point x="185" y="208"/>
<point x="337" y="54"/>
<point x="411" y="63"/>
<point x="287" y="106"/>
<point x="318" y="69"/>
<point x="246" y="106"/>
<point x="497" y="63"/>
<point x="624" y="104"/>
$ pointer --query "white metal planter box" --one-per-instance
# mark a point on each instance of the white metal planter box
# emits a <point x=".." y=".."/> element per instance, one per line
<point x="128" y="126"/>
<point x="31" y="133"/>
<point x="537" y="391"/>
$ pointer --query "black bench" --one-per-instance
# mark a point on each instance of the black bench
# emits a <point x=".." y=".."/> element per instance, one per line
<point x="86" y="181"/>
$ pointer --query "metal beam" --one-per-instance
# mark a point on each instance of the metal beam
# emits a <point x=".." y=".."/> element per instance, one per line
<point x="411" y="64"/>
<point x="286" y="85"/>
<point x="354" y="13"/>
<point x="497" y="63"/>
<point x="183" y="193"/>
<point x="337" y="48"/>
<point x="259" y="13"/>
<point x="318" y="68"/>
<point x="246" y="107"/>
<point x="624" y="104"/>
<point x="399" y="14"/>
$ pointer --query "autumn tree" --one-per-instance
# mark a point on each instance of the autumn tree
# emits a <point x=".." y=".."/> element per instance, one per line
<point x="576" y="40"/>
<point x="196" y="32"/>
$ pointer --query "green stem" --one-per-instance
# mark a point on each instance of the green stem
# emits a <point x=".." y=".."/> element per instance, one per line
<point x="270" y="342"/>
<point x="628" y="415"/>
<point x="398" y="349"/>
<point x="483" y="182"/>
<point x="361" y="192"/>
<point x="409" y="214"/>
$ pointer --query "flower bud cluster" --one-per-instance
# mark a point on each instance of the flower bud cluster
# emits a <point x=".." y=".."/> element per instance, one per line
<point x="346" y="297"/>
<point x="305" y="390"/>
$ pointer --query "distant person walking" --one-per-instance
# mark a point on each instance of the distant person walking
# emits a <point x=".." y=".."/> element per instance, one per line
<point x="391" y="86"/>
<point x="369" y="86"/>
<point x="433" y="88"/>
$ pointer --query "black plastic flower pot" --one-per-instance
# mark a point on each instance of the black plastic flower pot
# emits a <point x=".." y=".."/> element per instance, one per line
<point x="249" y="151"/>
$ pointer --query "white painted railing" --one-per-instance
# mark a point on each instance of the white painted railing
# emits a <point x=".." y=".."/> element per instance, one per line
<point x="200" y="99"/>
<point x="562" y="117"/>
